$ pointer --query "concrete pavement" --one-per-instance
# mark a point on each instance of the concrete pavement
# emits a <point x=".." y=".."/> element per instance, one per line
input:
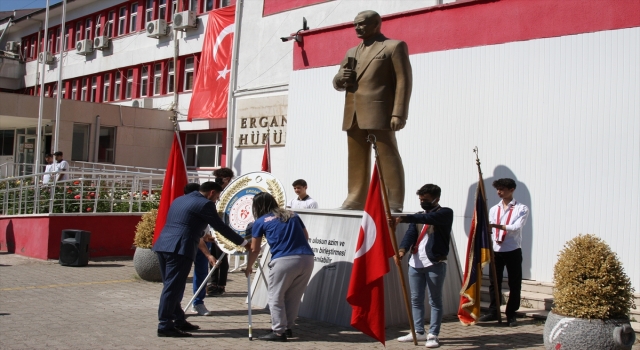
<point x="105" y="306"/>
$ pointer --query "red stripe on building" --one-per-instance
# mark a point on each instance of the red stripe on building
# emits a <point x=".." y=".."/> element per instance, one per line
<point x="275" y="6"/>
<point x="473" y="23"/>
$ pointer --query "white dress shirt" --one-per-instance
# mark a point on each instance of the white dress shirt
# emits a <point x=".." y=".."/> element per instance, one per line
<point x="513" y="237"/>
<point x="306" y="203"/>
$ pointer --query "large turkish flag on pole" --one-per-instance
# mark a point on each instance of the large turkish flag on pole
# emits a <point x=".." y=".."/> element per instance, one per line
<point x="370" y="264"/>
<point x="175" y="179"/>
<point x="211" y="88"/>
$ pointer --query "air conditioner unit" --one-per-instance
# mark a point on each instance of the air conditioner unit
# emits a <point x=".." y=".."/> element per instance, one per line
<point x="157" y="28"/>
<point x="101" y="42"/>
<point x="84" y="47"/>
<point x="142" y="103"/>
<point x="12" y="46"/>
<point x="184" y="20"/>
<point x="47" y="57"/>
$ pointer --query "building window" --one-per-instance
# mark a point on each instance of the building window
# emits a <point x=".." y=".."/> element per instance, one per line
<point x="107" y="145"/>
<point x="117" y="85"/>
<point x="58" y="32"/>
<point x="174" y="9"/>
<point x="80" y="142"/>
<point x="133" y="17"/>
<point x="122" y="19"/>
<point x="98" y="25"/>
<point x="54" y="92"/>
<point x="188" y="74"/>
<point x="204" y="150"/>
<point x="32" y="54"/>
<point x="193" y="5"/>
<point x="157" y="79"/>
<point x="144" y="81"/>
<point x="78" y="31"/>
<point x="129" y="87"/>
<point x="74" y="89"/>
<point x="6" y="142"/>
<point x="170" y="78"/>
<point x="149" y="11"/>
<point x="110" y="21"/>
<point x="162" y="10"/>
<point x="85" y="86"/>
<point x="64" y="90"/>
<point x="87" y="29"/>
<point x="94" y="89"/>
<point x="66" y="41"/>
<point x="105" y="88"/>
<point x="208" y="5"/>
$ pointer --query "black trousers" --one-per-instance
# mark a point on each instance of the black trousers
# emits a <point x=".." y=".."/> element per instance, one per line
<point x="219" y="276"/>
<point x="513" y="262"/>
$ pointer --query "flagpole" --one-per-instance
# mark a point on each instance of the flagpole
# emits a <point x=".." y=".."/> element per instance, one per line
<point x="392" y="232"/>
<point x="494" y="279"/>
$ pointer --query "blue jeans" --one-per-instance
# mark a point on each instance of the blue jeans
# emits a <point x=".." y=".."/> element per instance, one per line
<point x="419" y="279"/>
<point x="200" y="272"/>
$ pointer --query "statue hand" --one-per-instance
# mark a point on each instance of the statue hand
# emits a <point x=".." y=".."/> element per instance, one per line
<point x="348" y="77"/>
<point x="397" y="123"/>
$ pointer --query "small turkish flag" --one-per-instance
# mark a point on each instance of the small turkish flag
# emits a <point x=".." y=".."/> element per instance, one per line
<point x="266" y="156"/>
<point x="370" y="264"/>
<point x="211" y="88"/>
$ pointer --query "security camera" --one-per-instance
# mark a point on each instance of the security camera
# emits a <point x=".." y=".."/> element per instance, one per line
<point x="293" y="37"/>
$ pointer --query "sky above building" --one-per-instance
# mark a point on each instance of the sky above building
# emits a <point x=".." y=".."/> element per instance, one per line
<point x="10" y="5"/>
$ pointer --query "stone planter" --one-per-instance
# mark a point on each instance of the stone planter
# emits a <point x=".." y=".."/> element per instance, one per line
<point x="569" y="333"/>
<point x="145" y="261"/>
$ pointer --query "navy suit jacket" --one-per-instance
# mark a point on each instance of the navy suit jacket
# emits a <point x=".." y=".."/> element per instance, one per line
<point x="187" y="219"/>
<point x="437" y="247"/>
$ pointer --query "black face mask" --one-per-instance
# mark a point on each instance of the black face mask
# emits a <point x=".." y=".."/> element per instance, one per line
<point x="428" y="205"/>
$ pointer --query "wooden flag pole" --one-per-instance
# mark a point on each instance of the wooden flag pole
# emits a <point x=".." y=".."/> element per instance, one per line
<point x="392" y="232"/>
<point x="494" y="279"/>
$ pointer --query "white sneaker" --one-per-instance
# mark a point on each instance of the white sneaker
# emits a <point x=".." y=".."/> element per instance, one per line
<point x="432" y="341"/>
<point x="201" y="310"/>
<point x="409" y="338"/>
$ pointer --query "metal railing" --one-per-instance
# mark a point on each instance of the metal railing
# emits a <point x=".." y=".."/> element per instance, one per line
<point x="11" y="169"/>
<point x="83" y="192"/>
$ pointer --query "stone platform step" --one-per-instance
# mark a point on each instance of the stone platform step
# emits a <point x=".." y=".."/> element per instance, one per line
<point x="527" y="285"/>
<point x="531" y="300"/>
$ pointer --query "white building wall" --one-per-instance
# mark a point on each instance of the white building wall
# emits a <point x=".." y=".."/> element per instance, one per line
<point x="560" y="115"/>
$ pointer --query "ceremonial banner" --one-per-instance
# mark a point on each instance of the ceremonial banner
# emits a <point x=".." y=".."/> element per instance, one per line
<point x="211" y="88"/>
<point x="266" y="156"/>
<point x="175" y="179"/>
<point x="370" y="264"/>
<point x="478" y="255"/>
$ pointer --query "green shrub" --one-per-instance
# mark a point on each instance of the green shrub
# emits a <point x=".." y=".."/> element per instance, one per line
<point x="590" y="281"/>
<point x="144" y="230"/>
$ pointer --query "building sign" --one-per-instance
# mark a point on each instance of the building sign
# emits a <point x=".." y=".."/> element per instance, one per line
<point x="261" y="118"/>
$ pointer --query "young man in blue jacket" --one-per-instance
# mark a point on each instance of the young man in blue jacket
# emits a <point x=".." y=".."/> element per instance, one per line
<point x="427" y="247"/>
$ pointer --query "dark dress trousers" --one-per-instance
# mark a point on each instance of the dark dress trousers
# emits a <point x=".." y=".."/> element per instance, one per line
<point x="177" y="246"/>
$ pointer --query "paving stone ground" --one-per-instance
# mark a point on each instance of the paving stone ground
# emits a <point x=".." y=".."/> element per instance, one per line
<point x="105" y="306"/>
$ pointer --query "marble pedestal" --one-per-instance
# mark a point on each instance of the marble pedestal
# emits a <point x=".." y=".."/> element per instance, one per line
<point x="333" y="235"/>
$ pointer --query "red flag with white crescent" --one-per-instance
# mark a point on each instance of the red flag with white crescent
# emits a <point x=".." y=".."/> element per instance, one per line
<point x="211" y="88"/>
<point x="266" y="156"/>
<point x="370" y="264"/>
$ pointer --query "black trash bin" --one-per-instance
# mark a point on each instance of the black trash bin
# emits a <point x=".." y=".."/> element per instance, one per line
<point x="74" y="248"/>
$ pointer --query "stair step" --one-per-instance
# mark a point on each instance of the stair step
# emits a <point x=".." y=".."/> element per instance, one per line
<point x="530" y="300"/>
<point x="527" y="285"/>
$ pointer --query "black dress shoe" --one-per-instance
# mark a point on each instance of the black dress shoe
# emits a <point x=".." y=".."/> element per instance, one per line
<point x="288" y="333"/>
<point x="488" y="317"/>
<point x="273" y="336"/>
<point x="186" y="326"/>
<point x="512" y="322"/>
<point x="173" y="333"/>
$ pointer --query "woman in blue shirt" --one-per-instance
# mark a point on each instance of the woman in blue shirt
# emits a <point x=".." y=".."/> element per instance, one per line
<point x="291" y="261"/>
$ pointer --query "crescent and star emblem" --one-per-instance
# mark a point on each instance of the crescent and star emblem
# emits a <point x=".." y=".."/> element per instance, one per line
<point x="223" y="33"/>
<point x="370" y="231"/>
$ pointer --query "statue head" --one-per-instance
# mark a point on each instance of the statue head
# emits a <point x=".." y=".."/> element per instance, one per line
<point x="368" y="24"/>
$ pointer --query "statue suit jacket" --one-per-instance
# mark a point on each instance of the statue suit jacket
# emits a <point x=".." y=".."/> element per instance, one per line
<point x="383" y="84"/>
<point x="188" y="216"/>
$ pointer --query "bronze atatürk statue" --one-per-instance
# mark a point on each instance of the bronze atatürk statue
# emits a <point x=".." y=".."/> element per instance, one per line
<point x="376" y="76"/>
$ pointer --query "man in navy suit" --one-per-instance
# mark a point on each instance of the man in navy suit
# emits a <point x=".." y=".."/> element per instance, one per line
<point x="176" y="248"/>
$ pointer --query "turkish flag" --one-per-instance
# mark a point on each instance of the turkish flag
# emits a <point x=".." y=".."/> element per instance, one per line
<point x="370" y="264"/>
<point x="173" y="186"/>
<point x="211" y="88"/>
<point x="266" y="156"/>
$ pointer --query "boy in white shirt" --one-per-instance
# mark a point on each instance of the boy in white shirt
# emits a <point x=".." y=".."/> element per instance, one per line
<point x="303" y="201"/>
